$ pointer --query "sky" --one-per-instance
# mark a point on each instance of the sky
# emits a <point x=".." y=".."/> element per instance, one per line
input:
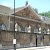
<point x="41" y="5"/>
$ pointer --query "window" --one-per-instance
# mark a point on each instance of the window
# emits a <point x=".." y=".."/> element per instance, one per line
<point x="44" y="31"/>
<point x="28" y="28"/>
<point x="22" y="29"/>
<point x="17" y="27"/>
<point x="2" y="27"/>
<point x="36" y="30"/>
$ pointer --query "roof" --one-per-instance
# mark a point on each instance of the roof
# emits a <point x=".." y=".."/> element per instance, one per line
<point x="44" y="19"/>
<point x="4" y="9"/>
<point x="7" y="10"/>
<point x="21" y="8"/>
<point x="47" y="21"/>
<point x="18" y="9"/>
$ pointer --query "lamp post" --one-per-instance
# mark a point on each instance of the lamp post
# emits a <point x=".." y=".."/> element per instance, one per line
<point x="14" y="40"/>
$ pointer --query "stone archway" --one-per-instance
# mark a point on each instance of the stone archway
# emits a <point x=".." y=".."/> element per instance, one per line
<point x="44" y="31"/>
<point x="19" y="27"/>
<point x="36" y="29"/>
<point x="28" y="28"/>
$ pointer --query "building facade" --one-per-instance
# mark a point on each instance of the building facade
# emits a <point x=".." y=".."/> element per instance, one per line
<point x="29" y="28"/>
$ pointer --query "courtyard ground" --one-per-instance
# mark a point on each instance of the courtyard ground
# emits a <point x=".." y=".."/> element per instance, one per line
<point x="36" y="48"/>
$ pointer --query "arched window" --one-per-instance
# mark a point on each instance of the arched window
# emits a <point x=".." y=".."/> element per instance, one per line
<point x="36" y="29"/>
<point x="17" y="27"/>
<point x="22" y="28"/>
<point x="28" y="28"/>
<point x="48" y="31"/>
<point x="44" y="31"/>
<point x="2" y="26"/>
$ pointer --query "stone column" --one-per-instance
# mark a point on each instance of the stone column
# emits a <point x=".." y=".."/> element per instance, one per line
<point x="9" y="23"/>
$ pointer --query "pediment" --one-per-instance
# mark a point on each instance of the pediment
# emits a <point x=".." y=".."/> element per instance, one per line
<point x="27" y="12"/>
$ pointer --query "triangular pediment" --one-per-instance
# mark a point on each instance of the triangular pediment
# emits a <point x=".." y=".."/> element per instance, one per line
<point x="27" y="12"/>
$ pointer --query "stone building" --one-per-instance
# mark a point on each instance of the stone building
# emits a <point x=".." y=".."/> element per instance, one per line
<point x="28" y="27"/>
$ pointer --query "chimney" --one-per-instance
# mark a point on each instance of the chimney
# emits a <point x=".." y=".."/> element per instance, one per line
<point x="26" y="3"/>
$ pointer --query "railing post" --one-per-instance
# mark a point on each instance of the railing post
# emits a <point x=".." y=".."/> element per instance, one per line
<point x="36" y="39"/>
<point x="31" y="37"/>
<point x="43" y="39"/>
<point x="49" y="39"/>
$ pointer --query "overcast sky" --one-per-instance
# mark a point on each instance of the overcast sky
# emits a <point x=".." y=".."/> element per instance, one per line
<point x="41" y="5"/>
